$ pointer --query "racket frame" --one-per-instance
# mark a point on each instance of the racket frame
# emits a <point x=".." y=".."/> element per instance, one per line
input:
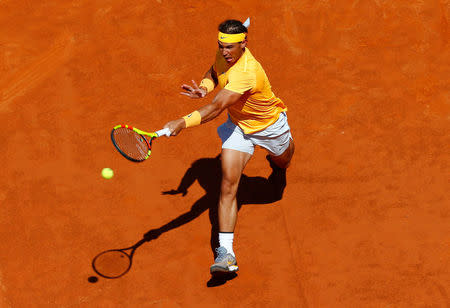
<point x="143" y="134"/>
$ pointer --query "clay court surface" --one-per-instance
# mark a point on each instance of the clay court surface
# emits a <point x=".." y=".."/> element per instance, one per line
<point x="364" y="220"/>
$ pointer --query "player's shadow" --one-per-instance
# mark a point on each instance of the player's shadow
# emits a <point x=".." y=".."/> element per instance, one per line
<point x="208" y="173"/>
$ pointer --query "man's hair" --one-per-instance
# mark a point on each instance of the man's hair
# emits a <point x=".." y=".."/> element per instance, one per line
<point x="232" y="26"/>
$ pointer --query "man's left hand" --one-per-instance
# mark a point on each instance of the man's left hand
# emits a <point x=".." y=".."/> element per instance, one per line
<point x="175" y="126"/>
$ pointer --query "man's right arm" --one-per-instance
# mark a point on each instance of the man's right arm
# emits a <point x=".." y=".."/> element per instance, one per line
<point x="209" y="81"/>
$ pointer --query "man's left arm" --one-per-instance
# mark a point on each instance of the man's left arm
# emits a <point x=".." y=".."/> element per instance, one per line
<point x="223" y="100"/>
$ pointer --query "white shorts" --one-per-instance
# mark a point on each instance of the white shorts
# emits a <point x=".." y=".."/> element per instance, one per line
<point x="275" y="138"/>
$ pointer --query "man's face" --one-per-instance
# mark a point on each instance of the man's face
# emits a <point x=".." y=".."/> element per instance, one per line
<point x="232" y="51"/>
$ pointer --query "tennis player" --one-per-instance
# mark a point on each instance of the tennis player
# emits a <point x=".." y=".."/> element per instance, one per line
<point x="255" y="117"/>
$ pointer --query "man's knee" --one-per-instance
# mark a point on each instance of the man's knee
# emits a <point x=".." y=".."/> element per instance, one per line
<point x="228" y="187"/>
<point x="284" y="160"/>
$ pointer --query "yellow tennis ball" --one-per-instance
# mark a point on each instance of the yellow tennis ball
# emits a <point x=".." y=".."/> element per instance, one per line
<point x="107" y="173"/>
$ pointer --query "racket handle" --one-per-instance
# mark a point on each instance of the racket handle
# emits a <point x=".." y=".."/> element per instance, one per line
<point x="163" y="132"/>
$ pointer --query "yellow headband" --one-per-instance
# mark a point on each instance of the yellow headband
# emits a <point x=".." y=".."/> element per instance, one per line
<point x="232" y="38"/>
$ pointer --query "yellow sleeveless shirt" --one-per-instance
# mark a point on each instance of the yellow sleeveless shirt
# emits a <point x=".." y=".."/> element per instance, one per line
<point x="258" y="107"/>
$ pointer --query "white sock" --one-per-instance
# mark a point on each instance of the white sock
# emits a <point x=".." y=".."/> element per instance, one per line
<point x="226" y="240"/>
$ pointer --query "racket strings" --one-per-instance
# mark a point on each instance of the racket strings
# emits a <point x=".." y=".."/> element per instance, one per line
<point x="131" y="143"/>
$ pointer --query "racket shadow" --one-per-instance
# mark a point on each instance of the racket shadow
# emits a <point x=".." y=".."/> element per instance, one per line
<point x="115" y="263"/>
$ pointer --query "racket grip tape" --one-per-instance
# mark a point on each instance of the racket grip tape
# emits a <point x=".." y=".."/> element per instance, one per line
<point x="164" y="132"/>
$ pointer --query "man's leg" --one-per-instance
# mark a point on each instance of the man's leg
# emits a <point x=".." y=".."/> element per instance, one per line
<point x="233" y="163"/>
<point x="279" y="164"/>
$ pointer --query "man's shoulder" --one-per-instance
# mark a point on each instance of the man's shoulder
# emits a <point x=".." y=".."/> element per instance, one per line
<point x="246" y="65"/>
<point x="240" y="72"/>
<point x="251" y="58"/>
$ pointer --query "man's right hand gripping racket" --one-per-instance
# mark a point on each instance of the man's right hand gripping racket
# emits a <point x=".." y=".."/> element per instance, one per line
<point x="135" y="144"/>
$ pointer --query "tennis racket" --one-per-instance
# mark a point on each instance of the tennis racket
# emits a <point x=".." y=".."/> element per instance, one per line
<point x="135" y="144"/>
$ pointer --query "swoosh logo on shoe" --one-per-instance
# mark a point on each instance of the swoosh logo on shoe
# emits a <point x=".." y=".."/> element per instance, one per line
<point x="222" y="37"/>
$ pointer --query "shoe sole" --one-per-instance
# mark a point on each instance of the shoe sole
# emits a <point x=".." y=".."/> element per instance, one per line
<point x="220" y="269"/>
